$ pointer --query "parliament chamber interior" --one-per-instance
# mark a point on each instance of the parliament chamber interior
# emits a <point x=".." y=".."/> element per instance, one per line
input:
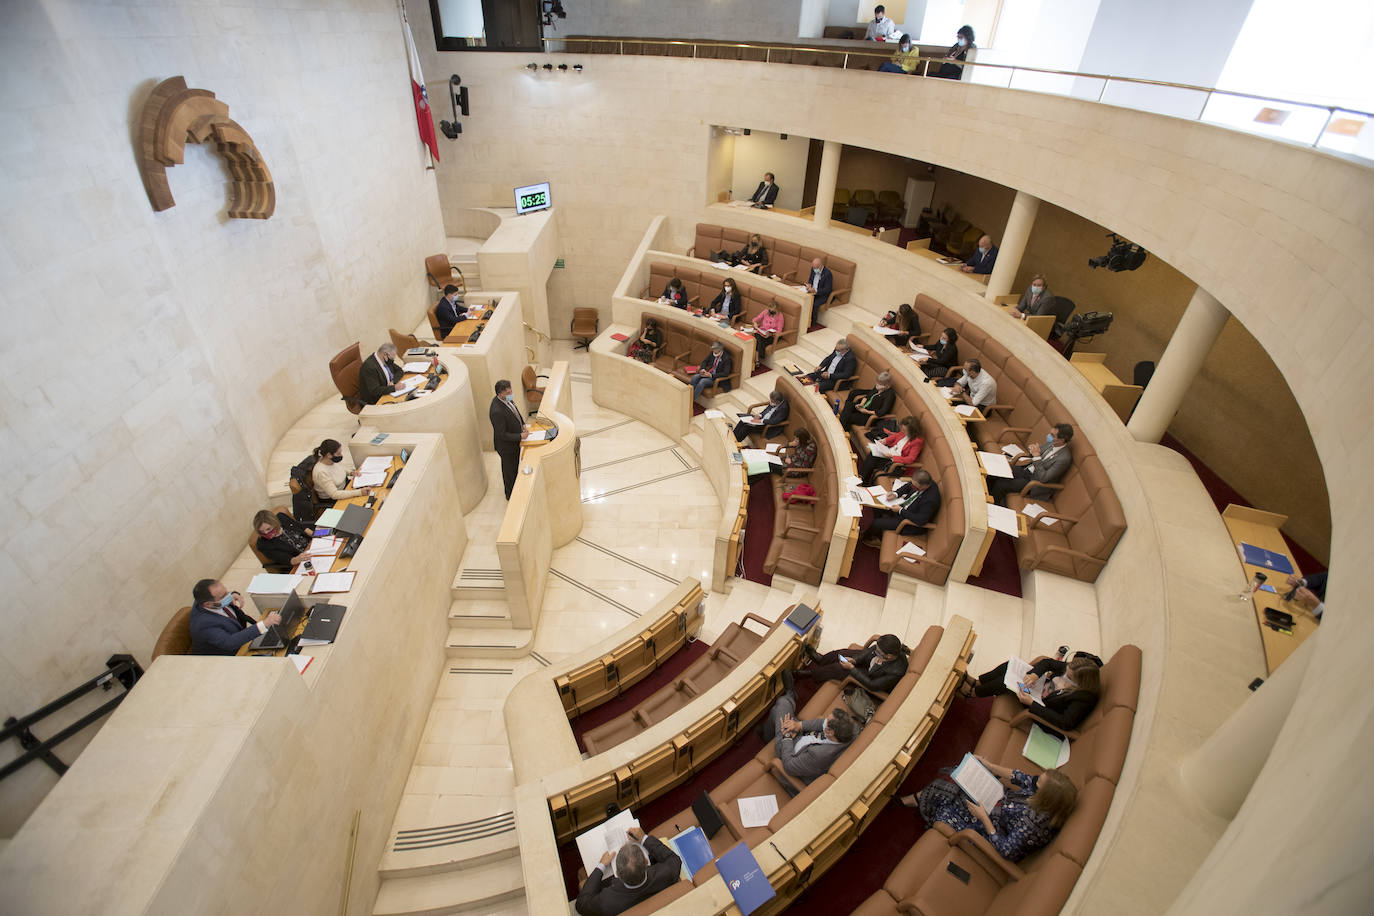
<point x="1051" y="349"/>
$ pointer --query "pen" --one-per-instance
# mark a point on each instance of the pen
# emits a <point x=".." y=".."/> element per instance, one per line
<point x="777" y="850"/>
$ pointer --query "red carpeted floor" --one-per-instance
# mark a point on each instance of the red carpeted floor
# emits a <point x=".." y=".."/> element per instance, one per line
<point x="667" y="672"/>
<point x="1000" y="572"/>
<point x="758" y="529"/>
<point x="864" y="574"/>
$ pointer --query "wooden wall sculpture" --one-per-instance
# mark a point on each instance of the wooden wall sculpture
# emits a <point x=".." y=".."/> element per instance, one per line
<point x="174" y="115"/>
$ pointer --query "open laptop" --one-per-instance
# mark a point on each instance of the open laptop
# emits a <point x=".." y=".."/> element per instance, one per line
<point x="276" y="637"/>
<point x="355" y="520"/>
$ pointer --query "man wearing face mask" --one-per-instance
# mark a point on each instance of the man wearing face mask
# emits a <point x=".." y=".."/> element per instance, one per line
<point x="881" y="28"/>
<point x="1036" y="300"/>
<point x="218" y="624"/>
<point x="982" y="260"/>
<point x="507" y="430"/>
<point x="379" y="375"/>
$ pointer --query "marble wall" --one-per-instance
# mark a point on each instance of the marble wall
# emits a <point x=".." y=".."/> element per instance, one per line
<point x="155" y="359"/>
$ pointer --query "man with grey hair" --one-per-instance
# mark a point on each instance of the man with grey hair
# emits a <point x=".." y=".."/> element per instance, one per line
<point x="833" y="369"/>
<point x="643" y="867"/>
<point x="379" y="375"/>
<point x="716" y="366"/>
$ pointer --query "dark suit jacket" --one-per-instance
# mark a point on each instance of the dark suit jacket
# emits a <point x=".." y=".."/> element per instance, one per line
<point x="280" y="550"/>
<point x="849" y="364"/>
<point x="812" y="761"/>
<point x="505" y="426"/>
<point x="776" y="413"/>
<point x="677" y="296"/>
<point x="921" y="512"/>
<point x="942" y="359"/>
<point x="1064" y="708"/>
<point x="1043" y="306"/>
<point x="885" y="677"/>
<point x="1316" y="584"/>
<point x="824" y="286"/>
<point x="602" y="895"/>
<point x="881" y="405"/>
<point x="372" y="384"/>
<point x="1047" y="470"/>
<point x="765" y="197"/>
<point x="981" y="263"/>
<point x="719" y="368"/>
<point x="717" y="304"/>
<point x="448" y="315"/>
<point x="214" y="634"/>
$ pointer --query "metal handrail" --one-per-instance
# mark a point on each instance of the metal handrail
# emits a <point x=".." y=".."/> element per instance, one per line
<point x="767" y="48"/>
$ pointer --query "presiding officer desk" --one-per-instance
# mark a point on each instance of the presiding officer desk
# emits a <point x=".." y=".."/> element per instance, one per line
<point x="499" y="353"/>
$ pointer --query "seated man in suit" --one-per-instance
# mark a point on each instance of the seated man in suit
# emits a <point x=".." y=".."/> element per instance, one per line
<point x="878" y="666"/>
<point x="1036" y="300"/>
<point x="716" y="365"/>
<point x="765" y="415"/>
<point x="379" y="374"/>
<point x="982" y="260"/>
<point x="974" y="386"/>
<point x="806" y="749"/>
<point x="218" y="624"/>
<point x="1043" y="465"/>
<point x="833" y="369"/>
<point x="920" y="502"/>
<point x="643" y="867"/>
<point x="766" y="192"/>
<point x="449" y="311"/>
<point x="1310" y="593"/>
<point x="820" y="282"/>
<point x="866" y="403"/>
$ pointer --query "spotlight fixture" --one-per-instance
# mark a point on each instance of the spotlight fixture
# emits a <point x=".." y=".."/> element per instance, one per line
<point x="531" y="66"/>
<point x="782" y="136"/>
<point x="563" y="67"/>
<point x="458" y="99"/>
<point x="746" y="131"/>
<point x="577" y="68"/>
<point x="548" y="67"/>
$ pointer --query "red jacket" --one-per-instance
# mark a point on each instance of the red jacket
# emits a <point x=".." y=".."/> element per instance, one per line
<point x="910" y="452"/>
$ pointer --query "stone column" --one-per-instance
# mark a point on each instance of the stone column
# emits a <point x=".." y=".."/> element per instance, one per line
<point x="1196" y="332"/>
<point x="825" y="182"/>
<point x="1220" y="772"/>
<point x="1013" y="244"/>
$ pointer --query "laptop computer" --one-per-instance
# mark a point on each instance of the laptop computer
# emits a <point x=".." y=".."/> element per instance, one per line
<point x="323" y="625"/>
<point x="801" y="618"/>
<point x="276" y="637"/>
<point x="354" y="521"/>
<point x="708" y="815"/>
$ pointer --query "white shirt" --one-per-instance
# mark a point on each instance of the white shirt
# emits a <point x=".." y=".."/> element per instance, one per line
<point x="806" y="741"/>
<point x="815" y="277"/>
<point x="385" y="371"/>
<point x="834" y="361"/>
<point x="982" y="390"/>
<point x="884" y="27"/>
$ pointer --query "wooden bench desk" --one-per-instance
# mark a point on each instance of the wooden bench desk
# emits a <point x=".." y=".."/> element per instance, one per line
<point x="1261" y="529"/>
<point x="1118" y="395"/>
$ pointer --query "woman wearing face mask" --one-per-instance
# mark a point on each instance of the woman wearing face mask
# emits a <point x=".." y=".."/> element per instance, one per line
<point x="1036" y="300"/>
<point x="726" y="304"/>
<point x="768" y="324"/>
<point x="753" y="254"/>
<point x="943" y="355"/>
<point x="330" y="477"/>
<point x="284" y="541"/>
<point x="904" y="60"/>
<point x="957" y="51"/>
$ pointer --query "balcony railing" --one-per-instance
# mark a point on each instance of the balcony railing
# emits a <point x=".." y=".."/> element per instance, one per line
<point x="1331" y="128"/>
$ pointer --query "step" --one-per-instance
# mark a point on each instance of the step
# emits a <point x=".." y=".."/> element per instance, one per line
<point x="488" y="642"/>
<point x="896" y="615"/>
<point x="479" y="613"/>
<point x="481" y="584"/>
<point x="445" y="847"/>
<point x="477" y="889"/>
<point x="842" y="318"/>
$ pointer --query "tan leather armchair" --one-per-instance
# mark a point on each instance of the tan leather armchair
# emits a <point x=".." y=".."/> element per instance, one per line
<point x="344" y="369"/>
<point x="175" y="638"/>
<point x="534" y="395"/>
<point x="585" y="323"/>
<point x="442" y="272"/>
<point x="404" y="342"/>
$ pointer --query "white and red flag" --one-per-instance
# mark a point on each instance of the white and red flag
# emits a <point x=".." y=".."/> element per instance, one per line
<point x="424" y="118"/>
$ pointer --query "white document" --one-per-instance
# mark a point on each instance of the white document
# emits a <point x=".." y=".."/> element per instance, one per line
<point x="755" y="454"/>
<point x="424" y="392"/>
<point x="1003" y="519"/>
<point x="1049" y="521"/>
<point x="537" y="435"/>
<point x="1017" y="669"/>
<point x="910" y="550"/>
<point x="375" y="463"/>
<point x="881" y="450"/>
<point x="850" y="507"/>
<point x="965" y="410"/>
<point x="947" y="391"/>
<point x="714" y="414"/>
<point x="325" y="547"/>
<point x="370" y="479"/>
<point x="420" y="367"/>
<point x="468" y="346"/>
<point x="1013" y="450"/>
<point x="800" y="289"/>
<point x="978" y="781"/>
<point x="408" y="385"/>
<point x="772" y="449"/>
<point x="757" y="811"/>
<point x="995" y="463"/>
<point x="721" y="264"/>
<point x="918" y="350"/>
<point x="332" y="582"/>
<point x="887" y="332"/>
<point x="274" y="583"/>
<point x="303" y="661"/>
<point x="861" y="495"/>
<point x="1032" y="510"/>
<point x="603" y="838"/>
<point x="853" y="480"/>
<point x="750" y="418"/>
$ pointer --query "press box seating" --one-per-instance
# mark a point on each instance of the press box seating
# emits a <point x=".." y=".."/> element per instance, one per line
<point x="702" y="287"/>
<point x="942" y="542"/>
<point x="788" y="260"/>
<point x="686" y="343"/>
<point x="1039" y="884"/>
<point x="1091" y="518"/>
<point x="802" y="526"/>
<point x="733" y="646"/>
<point x="764" y="775"/>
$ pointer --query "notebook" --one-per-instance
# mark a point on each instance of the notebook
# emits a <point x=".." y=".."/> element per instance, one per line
<point x="708" y="815"/>
<point x="745" y="878"/>
<point x="354" y="521"/>
<point x="693" y="848"/>
<point x="801" y="618"/>
<point x="324" y="624"/>
<point x="1258" y="556"/>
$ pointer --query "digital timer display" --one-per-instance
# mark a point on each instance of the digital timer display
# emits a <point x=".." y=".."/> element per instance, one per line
<point x="532" y="197"/>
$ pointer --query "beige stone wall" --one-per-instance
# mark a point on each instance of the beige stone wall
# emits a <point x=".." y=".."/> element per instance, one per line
<point x="153" y="360"/>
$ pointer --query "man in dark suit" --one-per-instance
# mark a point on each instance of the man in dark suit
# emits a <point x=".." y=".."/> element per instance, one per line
<point x="1043" y="465"/>
<point x="878" y="666"/>
<point x="983" y="258"/>
<point x="507" y="430"/>
<point x="833" y="369"/>
<point x="379" y="374"/>
<point x="765" y="415"/>
<point x="449" y="311"/>
<point x="766" y="192"/>
<point x="218" y="624"/>
<point x="1036" y="300"/>
<point x="920" y="502"/>
<point x="643" y="867"/>
<point x="716" y="365"/>
<point x="806" y="749"/>
<point x="820" y="282"/>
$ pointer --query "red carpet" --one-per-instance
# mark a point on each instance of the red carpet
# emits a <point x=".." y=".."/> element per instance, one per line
<point x="864" y="574"/>
<point x="758" y="529"/>
<point x="760" y="369"/>
<point x="667" y="672"/>
<point x="1000" y="572"/>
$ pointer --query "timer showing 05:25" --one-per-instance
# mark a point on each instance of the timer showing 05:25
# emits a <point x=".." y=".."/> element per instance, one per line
<point x="538" y="199"/>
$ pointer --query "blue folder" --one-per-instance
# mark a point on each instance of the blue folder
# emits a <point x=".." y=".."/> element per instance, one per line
<point x="694" y="850"/>
<point x="1258" y="556"/>
<point x="745" y="878"/>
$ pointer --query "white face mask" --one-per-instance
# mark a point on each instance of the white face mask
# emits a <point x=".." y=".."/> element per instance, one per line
<point x="1037" y="289"/>
<point x="963" y="42"/>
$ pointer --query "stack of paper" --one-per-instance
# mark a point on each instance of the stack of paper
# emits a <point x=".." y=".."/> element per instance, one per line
<point x="772" y="448"/>
<point x="328" y="518"/>
<point x="1013" y="450"/>
<point x="995" y="463"/>
<point x="850" y="508"/>
<point x="881" y="450"/>
<point x="421" y="367"/>
<point x="693" y="849"/>
<point x="757" y="811"/>
<point x="330" y="583"/>
<point x="886" y="332"/>
<point x="274" y="584"/>
<point x="1003" y="519"/>
<point x="750" y="418"/>
<point x="1017" y="669"/>
<point x="375" y="463"/>
<point x="1032" y="510"/>
<point x="370" y="479"/>
<point x="911" y="550"/>
<point x="976" y="780"/>
<point x="1045" y="750"/>
<point x="721" y="264"/>
<point x="603" y="838"/>
<point x="715" y="414"/>
<point x="325" y="547"/>
<point x="918" y="350"/>
<point x="408" y="385"/>
<point x="965" y="410"/>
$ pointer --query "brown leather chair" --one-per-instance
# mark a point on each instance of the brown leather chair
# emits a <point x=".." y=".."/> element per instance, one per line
<point x="344" y="368"/>
<point x="405" y="342"/>
<point x="534" y="395"/>
<point x="585" y="323"/>
<point x="176" y="635"/>
<point x="442" y="272"/>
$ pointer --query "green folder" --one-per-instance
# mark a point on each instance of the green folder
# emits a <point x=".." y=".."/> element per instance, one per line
<point x="1042" y="748"/>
